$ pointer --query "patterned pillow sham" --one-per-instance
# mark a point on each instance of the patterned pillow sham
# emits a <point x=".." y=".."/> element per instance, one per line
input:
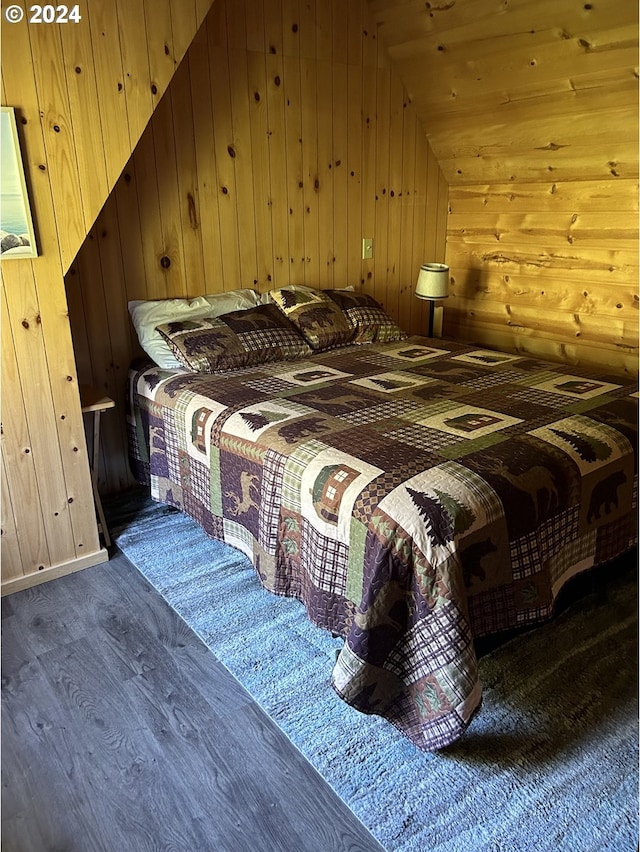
<point x="238" y="339"/>
<point x="148" y="314"/>
<point x="371" y="322"/>
<point x="318" y="319"/>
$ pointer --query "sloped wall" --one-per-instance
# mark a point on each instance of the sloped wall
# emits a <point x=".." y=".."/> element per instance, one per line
<point x="83" y="94"/>
<point x="284" y="139"/>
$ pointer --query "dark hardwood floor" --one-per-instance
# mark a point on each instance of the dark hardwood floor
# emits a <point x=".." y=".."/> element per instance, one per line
<point x="121" y="731"/>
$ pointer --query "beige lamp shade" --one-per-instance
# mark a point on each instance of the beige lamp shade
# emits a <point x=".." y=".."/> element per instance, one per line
<point x="433" y="281"/>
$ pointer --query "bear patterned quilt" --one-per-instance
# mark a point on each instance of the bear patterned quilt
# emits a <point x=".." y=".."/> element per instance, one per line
<point x="413" y="495"/>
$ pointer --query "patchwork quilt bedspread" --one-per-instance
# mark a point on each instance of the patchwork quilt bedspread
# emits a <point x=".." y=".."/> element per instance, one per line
<point x="413" y="495"/>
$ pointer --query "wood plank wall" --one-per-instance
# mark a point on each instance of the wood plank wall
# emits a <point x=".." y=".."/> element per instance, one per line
<point x="83" y="94"/>
<point x="547" y="269"/>
<point x="531" y="107"/>
<point x="531" y="111"/>
<point x="284" y="138"/>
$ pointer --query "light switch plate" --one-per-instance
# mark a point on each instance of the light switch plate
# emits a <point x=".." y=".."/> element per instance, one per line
<point x="367" y="249"/>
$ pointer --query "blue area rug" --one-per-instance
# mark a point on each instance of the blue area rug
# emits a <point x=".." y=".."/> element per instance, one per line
<point x="550" y="762"/>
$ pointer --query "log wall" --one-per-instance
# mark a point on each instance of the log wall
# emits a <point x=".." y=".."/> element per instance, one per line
<point x="549" y="269"/>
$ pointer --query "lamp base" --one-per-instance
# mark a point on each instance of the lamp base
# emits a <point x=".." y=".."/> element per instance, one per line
<point x="436" y="320"/>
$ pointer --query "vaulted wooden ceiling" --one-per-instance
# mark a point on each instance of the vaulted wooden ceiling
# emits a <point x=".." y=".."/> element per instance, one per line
<point x="520" y="90"/>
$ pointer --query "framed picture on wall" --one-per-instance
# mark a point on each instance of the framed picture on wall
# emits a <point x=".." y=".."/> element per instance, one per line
<point x="17" y="238"/>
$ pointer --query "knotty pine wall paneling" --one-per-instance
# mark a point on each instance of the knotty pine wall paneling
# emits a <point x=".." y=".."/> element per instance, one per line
<point x="547" y="269"/>
<point x="339" y="183"/>
<point x="278" y="173"/>
<point x="203" y="201"/>
<point x="115" y="112"/>
<point x="284" y="138"/>
<point x="83" y="94"/>
<point x="258" y="192"/>
<point x="50" y="496"/>
<point x="325" y="106"/>
<point x="186" y="153"/>
<point x="370" y="58"/>
<point x="226" y="148"/>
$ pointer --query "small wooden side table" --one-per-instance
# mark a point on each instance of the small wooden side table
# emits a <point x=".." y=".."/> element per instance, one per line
<point x="94" y="401"/>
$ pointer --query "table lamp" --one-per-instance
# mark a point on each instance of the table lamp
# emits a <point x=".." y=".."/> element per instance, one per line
<point x="433" y="284"/>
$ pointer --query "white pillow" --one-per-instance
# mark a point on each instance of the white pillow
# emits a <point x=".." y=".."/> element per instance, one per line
<point x="234" y="300"/>
<point x="146" y="315"/>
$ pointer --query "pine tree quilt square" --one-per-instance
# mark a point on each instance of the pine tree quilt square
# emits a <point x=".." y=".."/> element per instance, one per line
<point x="486" y="357"/>
<point x="253" y="420"/>
<point x="393" y="382"/>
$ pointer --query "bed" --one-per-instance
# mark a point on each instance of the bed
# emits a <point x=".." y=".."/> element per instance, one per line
<point x="415" y="494"/>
